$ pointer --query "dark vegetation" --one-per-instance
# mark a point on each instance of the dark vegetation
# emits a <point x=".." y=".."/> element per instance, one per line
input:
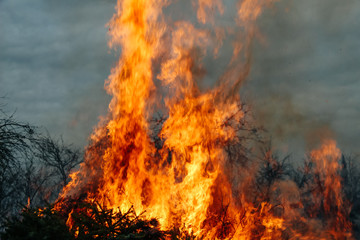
<point x="34" y="167"/>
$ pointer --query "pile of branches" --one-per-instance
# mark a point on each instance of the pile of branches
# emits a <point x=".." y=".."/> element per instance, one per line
<point x="82" y="220"/>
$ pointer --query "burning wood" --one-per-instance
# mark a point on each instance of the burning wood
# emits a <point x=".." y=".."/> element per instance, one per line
<point x="194" y="178"/>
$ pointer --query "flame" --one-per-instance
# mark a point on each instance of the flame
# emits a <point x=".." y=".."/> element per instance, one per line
<point x="206" y="6"/>
<point x="188" y="181"/>
<point x="28" y="202"/>
<point x="328" y="196"/>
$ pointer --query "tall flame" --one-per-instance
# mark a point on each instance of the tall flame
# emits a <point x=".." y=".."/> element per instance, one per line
<point x="328" y="183"/>
<point x="188" y="181"/>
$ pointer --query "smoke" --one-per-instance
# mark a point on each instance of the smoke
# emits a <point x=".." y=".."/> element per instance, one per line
<point x="303" y="84"/>
<point x="53" y="62"/>
<point x="303" y="80"/>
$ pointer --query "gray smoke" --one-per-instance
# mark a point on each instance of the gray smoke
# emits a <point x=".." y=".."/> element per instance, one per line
<point x="305" y="78"/>
<point x="303" y="83"/>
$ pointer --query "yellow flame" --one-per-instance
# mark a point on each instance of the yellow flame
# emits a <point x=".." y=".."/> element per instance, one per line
<point x="185" y="183"/>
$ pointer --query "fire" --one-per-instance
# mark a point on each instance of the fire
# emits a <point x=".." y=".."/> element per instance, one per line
<point x="188" y="181"/>
<point x="328" y="183"/>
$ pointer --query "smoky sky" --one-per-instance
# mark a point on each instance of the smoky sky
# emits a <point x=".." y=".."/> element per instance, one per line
<point x="305" y="77"/>
<point x="53" y="62"/>
<point x="303" y="85"/>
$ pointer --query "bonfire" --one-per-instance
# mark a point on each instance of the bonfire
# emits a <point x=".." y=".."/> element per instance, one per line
<point x="177" y="155"/>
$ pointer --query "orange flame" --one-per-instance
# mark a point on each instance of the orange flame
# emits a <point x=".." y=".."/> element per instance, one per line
<point x="186" y="182"/>
<point x="328" y="194"/>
